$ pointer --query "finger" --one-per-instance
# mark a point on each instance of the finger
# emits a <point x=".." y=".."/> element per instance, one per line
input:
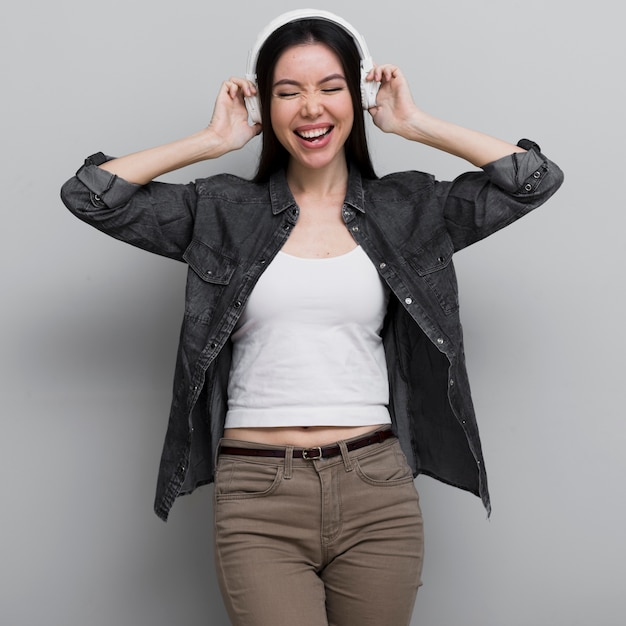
<point x="385" y="72"/>
<point x="390" y="72"/>
<point x="247" y="87"/>
<point x="230" y="88"/>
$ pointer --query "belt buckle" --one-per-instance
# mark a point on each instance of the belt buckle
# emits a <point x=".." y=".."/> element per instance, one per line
<point x="306" y="451"/>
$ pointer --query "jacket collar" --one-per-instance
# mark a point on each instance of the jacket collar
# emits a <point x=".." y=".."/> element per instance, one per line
<point x="282" y="198"/>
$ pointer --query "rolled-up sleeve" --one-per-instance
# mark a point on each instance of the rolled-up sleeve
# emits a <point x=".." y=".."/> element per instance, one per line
<point x="106" y="189"/>
<point x="157" y="217"/>
<point x="477" y="204"/>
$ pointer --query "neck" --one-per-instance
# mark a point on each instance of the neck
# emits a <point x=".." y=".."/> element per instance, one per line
<point x="322" y="182"/>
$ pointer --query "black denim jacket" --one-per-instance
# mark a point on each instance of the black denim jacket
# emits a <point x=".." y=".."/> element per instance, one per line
<point x="228" y="230"/>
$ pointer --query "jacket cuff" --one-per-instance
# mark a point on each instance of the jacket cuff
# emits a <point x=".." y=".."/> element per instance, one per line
<point x="107" y="190"/>
<point x="519" y="173"/>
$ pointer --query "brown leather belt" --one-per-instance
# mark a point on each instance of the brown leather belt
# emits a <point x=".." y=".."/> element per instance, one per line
<point x="311" y="454"/>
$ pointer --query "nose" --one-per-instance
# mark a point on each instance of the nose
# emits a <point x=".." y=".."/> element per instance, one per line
<point x="312" y="106"/>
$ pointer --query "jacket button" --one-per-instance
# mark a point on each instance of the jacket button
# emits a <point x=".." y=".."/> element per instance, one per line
<point x="408" y="300"/>
<point x="237" y="304"/>
<point x="537" y="175"/>
<point x="382" y="266"/>
<point x="440" y="341"/>
<point x="528" y="187"/>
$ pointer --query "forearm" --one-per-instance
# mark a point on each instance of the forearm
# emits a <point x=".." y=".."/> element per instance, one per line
<point x="142" y="167"/>
<point x="473" y="146"/>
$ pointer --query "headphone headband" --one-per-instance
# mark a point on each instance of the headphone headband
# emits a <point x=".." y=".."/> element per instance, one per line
<point x="368" y="88"/>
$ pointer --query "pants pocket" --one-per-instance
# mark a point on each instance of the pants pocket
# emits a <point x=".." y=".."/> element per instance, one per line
<point x="385" y="468"/>
<point x="239" y="479"/>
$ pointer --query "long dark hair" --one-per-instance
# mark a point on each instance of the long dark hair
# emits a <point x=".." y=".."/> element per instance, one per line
<point x="311" y="30"/>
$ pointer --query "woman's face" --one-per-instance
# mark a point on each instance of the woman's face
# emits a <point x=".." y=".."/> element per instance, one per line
<point x="311" y="108"/>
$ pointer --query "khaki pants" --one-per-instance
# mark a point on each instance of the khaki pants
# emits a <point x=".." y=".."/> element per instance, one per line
<point x="335" y="542"/>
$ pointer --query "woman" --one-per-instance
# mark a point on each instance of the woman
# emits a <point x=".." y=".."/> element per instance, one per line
<point x="321" y="364"/>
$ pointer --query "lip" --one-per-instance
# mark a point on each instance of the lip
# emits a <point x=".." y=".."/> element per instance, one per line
<point x="314" y="135"/>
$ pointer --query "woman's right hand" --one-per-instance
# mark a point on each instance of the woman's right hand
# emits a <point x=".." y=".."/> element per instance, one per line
<point x="230" y="116"/>
<point x="228" y="130"/>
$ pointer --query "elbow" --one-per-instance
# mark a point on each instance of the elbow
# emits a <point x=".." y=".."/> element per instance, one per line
<point x="70" y="195"/>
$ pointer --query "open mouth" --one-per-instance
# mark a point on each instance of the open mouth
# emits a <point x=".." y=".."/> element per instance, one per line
<point x="314" y="135"/>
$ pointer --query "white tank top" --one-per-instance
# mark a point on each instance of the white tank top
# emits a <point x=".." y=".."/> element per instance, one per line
<point x="307" y="349"/>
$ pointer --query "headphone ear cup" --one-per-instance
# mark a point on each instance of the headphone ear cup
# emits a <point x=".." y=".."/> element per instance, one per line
<point x="253" y="105"/>
<point x="369" y="90"/>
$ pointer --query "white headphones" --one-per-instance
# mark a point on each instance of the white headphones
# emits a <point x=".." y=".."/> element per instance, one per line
<point x="369" y="89"/>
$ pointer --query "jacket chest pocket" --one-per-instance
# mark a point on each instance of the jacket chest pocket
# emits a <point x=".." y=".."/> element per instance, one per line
<point x="209" y="273"/>
<point x="433" y="263"/>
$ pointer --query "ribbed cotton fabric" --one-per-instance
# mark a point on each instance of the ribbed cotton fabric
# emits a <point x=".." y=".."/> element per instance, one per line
<point x="307" y="349"/>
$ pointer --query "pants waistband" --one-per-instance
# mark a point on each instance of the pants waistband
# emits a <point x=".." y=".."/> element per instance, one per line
<point x="312" y="454"/>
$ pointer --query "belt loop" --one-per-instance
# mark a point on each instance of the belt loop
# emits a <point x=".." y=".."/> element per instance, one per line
<point x="345" y="455"/>
<point x="288" y="462"/>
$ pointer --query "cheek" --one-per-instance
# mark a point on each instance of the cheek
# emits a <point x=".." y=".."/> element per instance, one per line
<point x="279" y="120"/>
<point x="347" y="112"/>
<point x="349" y="121"/>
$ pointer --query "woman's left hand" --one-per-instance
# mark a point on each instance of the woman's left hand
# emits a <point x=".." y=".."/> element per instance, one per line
<point x="396" y="112"/>
<point x="394" y="103"/>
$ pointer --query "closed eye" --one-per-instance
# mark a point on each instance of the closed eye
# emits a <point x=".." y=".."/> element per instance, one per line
<point x="287" y="94"/>
<point x="288" y="88"/>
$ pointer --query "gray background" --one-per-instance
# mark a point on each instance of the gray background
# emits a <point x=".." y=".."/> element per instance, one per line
<point x="90" y="326"/>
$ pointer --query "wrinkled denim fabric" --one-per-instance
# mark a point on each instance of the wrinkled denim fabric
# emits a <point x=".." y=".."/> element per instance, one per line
<point x="228" y="230"/>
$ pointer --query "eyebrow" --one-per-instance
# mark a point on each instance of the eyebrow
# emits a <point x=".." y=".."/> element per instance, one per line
<point x="289" y="81"/>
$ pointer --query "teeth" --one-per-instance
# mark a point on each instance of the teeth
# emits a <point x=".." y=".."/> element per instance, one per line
<point x="314" y="134"/>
